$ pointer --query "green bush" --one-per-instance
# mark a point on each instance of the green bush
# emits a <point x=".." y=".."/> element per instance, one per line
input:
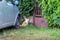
<point x="26" y="6"/>
<point x="51" y="11"/>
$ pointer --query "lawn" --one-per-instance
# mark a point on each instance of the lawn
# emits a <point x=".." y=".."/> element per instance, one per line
<point x="30" y="32"/>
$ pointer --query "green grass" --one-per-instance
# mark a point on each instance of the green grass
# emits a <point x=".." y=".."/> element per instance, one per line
<point x="30" y="32"/>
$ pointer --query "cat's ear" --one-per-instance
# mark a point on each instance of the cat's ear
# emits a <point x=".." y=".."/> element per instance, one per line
<point x="25" y="17"/>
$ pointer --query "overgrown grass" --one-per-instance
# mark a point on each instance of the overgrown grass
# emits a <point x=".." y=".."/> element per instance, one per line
<point x="31" y="32"/>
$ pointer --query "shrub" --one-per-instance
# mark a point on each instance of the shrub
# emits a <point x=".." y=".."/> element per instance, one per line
<point x="26" y="6"/>
<point x="51" y="11"/>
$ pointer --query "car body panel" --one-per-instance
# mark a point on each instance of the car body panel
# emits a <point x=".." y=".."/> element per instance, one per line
<point x="8" y="14"/>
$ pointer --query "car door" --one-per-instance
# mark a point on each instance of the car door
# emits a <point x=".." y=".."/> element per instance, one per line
<point x="12" y="13"/>
<point x="8" y="14"/>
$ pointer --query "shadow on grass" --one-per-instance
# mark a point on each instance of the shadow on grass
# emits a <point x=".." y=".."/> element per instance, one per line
<point x="6" y="29"/>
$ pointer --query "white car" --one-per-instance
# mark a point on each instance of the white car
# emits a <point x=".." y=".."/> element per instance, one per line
<point x="9" y="14"/>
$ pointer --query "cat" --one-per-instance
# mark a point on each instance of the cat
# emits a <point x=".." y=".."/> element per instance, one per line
<point x="25" y="23"/>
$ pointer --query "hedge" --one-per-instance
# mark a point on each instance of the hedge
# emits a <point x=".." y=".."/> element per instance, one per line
<point x="51" y="11"/>
<point x="26" y="6"/>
